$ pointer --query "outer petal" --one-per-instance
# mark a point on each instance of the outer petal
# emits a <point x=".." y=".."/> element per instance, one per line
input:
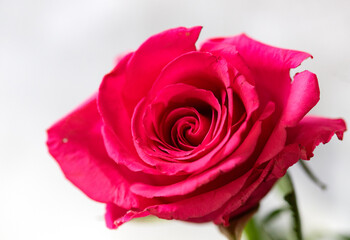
<point x="270" y="65"/>
<point x="110" y="103"/>
<point x="117" y="122"/>
<point x="311" y="131"/>
<point x="303" y="96"/>
<point x="116" y="216"/>
<point x="200" y="205"/>
<point x="152" y="56"/>
<point x="285" y="159"/>
<point x="116" y="129"/>
<point x="76" y="143"/>
<point x="253" y="192"/>
<point x="231" y="196"/>
<point x="259" y="56"/>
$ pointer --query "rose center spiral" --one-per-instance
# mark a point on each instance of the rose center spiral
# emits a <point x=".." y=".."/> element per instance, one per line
<point x="185" y="128"/>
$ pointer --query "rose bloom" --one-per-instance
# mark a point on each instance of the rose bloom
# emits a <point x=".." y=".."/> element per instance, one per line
<point x="191" y="134"/>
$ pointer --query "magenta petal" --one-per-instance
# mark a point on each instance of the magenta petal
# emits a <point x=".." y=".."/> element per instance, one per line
<point x="197" y="206"/>
<point x="255" y="183"/>
<point x="303" y="96"/>
<point x="151" y="58"/>
<point x="285" y="159"/>
<point x="269" y="65"/>
<point x="311" y="131"/>
<point x="113" y="212"/>
<point x="255" y="188"/>
<point x="122" y="156"/>
<point x="77" y="145"/>
<point x="117" y="121"/>
<point x="232" y="56"/>
<point x="111" y="105"/>
<point x="116" y="216"/>
<point x="202" y="70"/>
<point x="247" y="94"/>
<point x="259" y="56"/>
<point x="223" y="200"/>
<point x="116" y="130"/>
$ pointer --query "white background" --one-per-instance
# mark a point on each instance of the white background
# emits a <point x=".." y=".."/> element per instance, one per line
<point x="53" y="55"/>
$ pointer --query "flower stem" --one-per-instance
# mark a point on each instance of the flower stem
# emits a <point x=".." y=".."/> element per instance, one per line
<point x="286" y="186"/>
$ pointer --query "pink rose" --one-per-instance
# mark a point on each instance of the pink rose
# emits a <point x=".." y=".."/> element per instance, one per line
<point x="195" y="135"/>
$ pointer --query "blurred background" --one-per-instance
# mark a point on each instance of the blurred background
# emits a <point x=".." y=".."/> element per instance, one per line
<point x="53" y="55"/>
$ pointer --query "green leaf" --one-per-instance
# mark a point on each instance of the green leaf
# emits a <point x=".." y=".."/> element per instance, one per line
<point x="312" y="176"/>
<point x="285" y="185"/>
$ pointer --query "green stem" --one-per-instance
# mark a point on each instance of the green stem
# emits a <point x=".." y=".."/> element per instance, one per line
<point x="286" y="186"/>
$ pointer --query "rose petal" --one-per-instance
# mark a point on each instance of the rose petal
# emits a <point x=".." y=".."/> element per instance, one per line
<point x="303" y="96"/>
<point x="245" y="130"/>
<point x="151" y="58"/>
<point x="311" y="131"/>
<point x="261" y="57"/>
<point x="116" y="216"/>
<point x="247" y="93"/>
<point x="269" y="65"/>
<point x="253" y="200"/>
<point x="232" y="56"/>
<point x="115" y="115"/>
<point x="230" y="196"/>
<point x="237" y="204"/>
<point x="77" y="145"/>
<point x="116" y="129"/>
<point x="285" y="159"/>
<point x="121" y="155"/>
<point x="202" y="70"/>
<point x="198" y="206"/>
<point x="282" y="161"/>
